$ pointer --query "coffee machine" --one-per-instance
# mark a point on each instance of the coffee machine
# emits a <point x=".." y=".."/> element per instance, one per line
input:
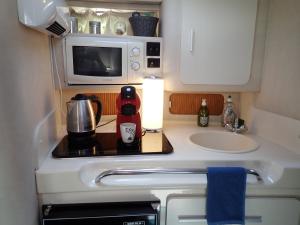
<point x="128" y="104"/>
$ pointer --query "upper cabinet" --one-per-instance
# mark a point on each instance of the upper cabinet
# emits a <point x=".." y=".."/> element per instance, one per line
<point x="213" y="45"/>
<point x="217" y="39"/>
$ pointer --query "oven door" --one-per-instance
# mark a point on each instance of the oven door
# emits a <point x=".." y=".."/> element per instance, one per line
<point x="124" y="213"/>
<point x="95" y="60"/>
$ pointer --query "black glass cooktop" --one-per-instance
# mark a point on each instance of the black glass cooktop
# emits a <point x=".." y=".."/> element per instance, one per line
<point x="106" y="144"/>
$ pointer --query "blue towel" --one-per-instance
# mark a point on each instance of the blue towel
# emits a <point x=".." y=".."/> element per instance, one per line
<point x="225" y="203"/>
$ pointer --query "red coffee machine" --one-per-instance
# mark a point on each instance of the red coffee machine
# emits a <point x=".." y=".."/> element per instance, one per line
<point x="128" y="105"/>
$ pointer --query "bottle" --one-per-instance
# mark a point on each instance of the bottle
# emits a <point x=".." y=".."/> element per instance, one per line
<point x="203" y="115"/>
<point x="228" y="115"/>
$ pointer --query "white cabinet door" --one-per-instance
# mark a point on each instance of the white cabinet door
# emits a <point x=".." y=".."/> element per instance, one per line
<point x="217" y="41"/>
<point x="274" y="211"/>
<point x="185" y="211"/>
<point x="264" y="211"/>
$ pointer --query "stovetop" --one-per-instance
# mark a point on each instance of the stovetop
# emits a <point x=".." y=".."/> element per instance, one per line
<point x="107" y="144"/>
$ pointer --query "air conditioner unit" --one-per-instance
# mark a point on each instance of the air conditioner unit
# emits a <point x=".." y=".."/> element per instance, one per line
<point x="47" y="16"/>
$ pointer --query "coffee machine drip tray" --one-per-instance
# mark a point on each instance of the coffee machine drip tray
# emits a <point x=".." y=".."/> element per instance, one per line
<point x="107" y="144"/>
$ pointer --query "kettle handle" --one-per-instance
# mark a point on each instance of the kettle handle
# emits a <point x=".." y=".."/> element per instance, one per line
<point x="99" y="108"/>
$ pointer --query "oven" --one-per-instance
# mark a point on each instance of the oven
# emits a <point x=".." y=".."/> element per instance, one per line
<point x="116" y="213"/>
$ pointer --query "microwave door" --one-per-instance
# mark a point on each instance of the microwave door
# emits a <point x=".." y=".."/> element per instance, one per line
<point x="97" y="64"/>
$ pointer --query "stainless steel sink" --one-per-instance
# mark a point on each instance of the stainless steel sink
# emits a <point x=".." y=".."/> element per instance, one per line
<point x="226" y="142"/>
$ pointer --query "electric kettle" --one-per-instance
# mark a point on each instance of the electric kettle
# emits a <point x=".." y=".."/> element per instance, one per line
<point x="81" y="119"/>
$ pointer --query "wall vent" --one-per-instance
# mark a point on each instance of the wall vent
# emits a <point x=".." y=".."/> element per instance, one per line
<point x="56" y="28"/>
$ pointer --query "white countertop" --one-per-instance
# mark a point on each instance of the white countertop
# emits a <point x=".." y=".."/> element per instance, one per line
<point x="277" y="165"/>
<point x="178" y="134"/>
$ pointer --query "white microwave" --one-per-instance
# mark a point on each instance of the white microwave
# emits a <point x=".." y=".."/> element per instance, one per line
<point x="95" y="59"/>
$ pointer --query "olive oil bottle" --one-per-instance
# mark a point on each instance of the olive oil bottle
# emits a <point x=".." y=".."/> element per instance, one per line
<point x="203" y="115"/>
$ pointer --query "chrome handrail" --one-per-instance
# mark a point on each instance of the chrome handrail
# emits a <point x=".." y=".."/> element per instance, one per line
<point x="161" y="171"/>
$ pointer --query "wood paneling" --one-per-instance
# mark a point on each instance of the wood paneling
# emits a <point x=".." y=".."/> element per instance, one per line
<point x="108" y="101"/>
<point x="189" y="104"/>
<point x="181" y="103"/>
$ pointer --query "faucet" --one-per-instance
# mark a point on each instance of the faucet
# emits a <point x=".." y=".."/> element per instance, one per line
<point x="237" y="127"/>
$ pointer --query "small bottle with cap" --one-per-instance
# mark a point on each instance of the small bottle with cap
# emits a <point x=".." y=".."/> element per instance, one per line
<point x="203" y="115"/>
<point x="228" y="116"/>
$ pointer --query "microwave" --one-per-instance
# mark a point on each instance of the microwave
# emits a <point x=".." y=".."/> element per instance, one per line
<point x="95" y="59"/>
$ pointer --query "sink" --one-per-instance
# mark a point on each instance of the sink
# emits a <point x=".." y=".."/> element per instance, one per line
<point x="226" y="142"/>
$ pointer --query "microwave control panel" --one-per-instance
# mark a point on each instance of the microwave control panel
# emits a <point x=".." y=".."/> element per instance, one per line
<point x="144" y="59"/>
<point x="135" y="61"/>
<point x="135" y="56"/>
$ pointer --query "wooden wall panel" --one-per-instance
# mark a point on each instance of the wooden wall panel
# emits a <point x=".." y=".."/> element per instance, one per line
<point x="181" y="103"/>
<point x="108" y="101"/>
<point x="189" y="104"/>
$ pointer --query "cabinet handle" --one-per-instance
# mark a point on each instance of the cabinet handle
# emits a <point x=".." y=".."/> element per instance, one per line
<point x="192" y="34"/>
<point x="191" y="219"/>
<point x="202" y="218"/>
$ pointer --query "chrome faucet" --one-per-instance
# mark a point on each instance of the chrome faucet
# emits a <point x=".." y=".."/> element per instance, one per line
<point x="235" y="126"/>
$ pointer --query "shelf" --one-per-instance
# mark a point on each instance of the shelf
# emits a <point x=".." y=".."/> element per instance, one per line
<point x="148" y="2"/>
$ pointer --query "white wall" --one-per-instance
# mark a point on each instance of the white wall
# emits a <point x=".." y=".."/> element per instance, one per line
<point x="26" y="98"/>
<point x="280" y="92"/>
<point x="274" y="112"/>
<point x="280" y="88"/>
